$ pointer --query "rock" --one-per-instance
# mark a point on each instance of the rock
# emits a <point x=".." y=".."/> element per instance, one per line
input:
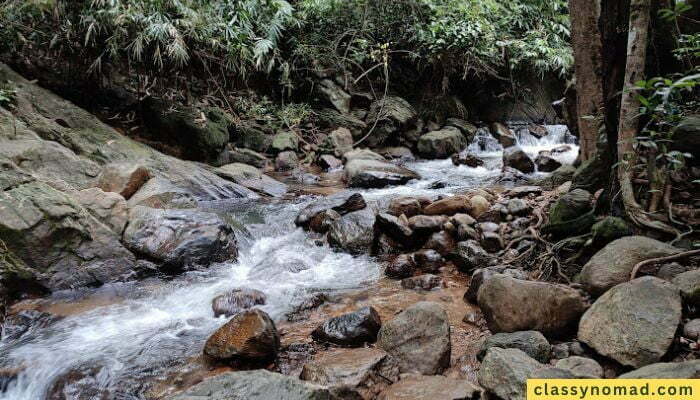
<point x="479" y="206"/>
<point x="422" y="282"/>
<point x="469" y="255"/>
<point x="523" y="191"/>
<point x="393" y="227"/>
<point x="518" y="207"/>
<point x="669" y="271"/>
<point x="511" y="176"/>
<point x="489" y="227"/>
<point x="341" y="141"/>
<point x="442" y="143"/>
<point x="236" y="301"/>
<point x="680" y="370"/>
<point x="328" y="162"/>
<point x="107" y="207"/>
<point x="362" y="154"/>
<point x="353" y="329"/>
<point x="546" y="163"/>
<point x="441" y="242"/>
<point x="504" y="135"/>
<point x="353" y="232"/>
<point x="180" y="238"/>
<point x="515" y="157"/>
<point x="376" y="174"/>
<point x="468" y="159"/>
<point x="160" y="193"/>
<point x="390" y="116"/>
<point x="449" y="206"/>
<point x="614" y="263"/>
<point x="581" y="367"/>
<point x="123" y="178"/>
<point x="419" y="339"/>
<point x="408" y="206"/>
<point x="244" y="156"/>
<point x="334" y="95"/>
<point x="426" y="224"/>
<point x="286" y="161"/>
<point x="251" y="135"/>
<point x="504" y="372"/>
<point x="686" y="138"/>
<point x="301" y="311"/>
<point x="479" y="276"/>
<point x="403" y="154"/>
<point x="360" y="371"/>
<point x="50" y="237"/>
<point x="401" y="267"/>
<point x="537" y="131"/>
<point x="533" y="343"/>
<point x="250" y="177"/>
<point x="511" y="305"/>
<point x="609" y="229"/>
<point x="254" y="385"/>
<point x="491" y="242"/>
<point x="689" y="284"/>
<point x="250" y="336"/>
<point x="420" y="387"/>
<point x="428" y="260"/>
<point x="570" y="206"/>
<point x="633" y="323"/>
<point x="691" y="329"/>
<point x="285" y="141"/>
<point x="340" y="204"/>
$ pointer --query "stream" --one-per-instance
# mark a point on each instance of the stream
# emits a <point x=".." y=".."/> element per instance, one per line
<point x="112" y="342"/>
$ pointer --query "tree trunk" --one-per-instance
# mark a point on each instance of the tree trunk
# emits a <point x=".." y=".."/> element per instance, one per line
<point x="637" y="42"/>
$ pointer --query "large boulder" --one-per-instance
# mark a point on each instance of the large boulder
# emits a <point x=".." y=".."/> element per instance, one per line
<point x="180" y="238"/>
<point x="341" y="141"/>
<point x="689" y="284"/>
<point x="614" y="263"/>
<point x="503" y="134"/>
<point x="442" y="143"/>
<point x="390" y="116"/>
<point x="533" y="343"/>
<point x="633" y="323"/>
<point x="515" y="157"/>
<point x="161" y="193"/>
<point x="254" y="385"/>
<point x="511" y="305"/>
<point x="63" y="243"/>
<point x="285" y="141"/>
<point x="419" y="338"/>
<point x="582" y="367"/>
<point x="686" y="138"/>
<point x="353" y="329"/>
<point x="252" y="178"/>
<point x="353" y="232"/>
<point x="504" y="372"/>
<point x="546" y="163"/>
<point x="340" y="204"/>
<point x="250" y="135"/>
<point x="570" y="206"/>
<point x="679" y="370"/>
<point x="359" y="371"/>
<point x="249" y="337"/>
<point x="335" y="95"/>
<point x="376" y="174"/>
<point x="123" y="178"/>
<point x="421" y="387"/>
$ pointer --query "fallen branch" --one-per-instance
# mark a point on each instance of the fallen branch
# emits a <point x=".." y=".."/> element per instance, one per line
<point x="653" y="261"/>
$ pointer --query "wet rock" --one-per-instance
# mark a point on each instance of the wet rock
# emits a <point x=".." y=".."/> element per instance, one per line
<point x="504" y="372"/>
<point x="691" y="329"/>
<point x="511" y="305"/>
<point x="609" y="229"/>
<point x="422" y="282"/>
<point x="376" y="174"/>
<point x="518" y="207"/>
<point x="352" y="329"/>
<point x="254" y="385"/>
<point x="107" y="207"/>
<point x="512" y="176"/>
<point x="393" y="226"/>
<point x="419" y="338"/>
<point x="329" y="162"/>
<point x="236" y="301"/>
<point x="252" y="178"/>
<point x="386" y="246"/>
<point x="362" y="154"/>
<point x="441" y="242"/>
<point x="614" y="263"/>
<point x="468" y="129"/>
<point x="533" y="343"/>
<point x="680" y="370"/>
<point x="400" y="153"/>
<point x="504" y="135"/>
<point x="340" y="204"/>
<point x="341" y="141"/>
<point x="244" y="156"/>
<point x="449" y="206"/>
<point x="581" y="367"/>
<point x="353" y="232"/>
<point x="689" y="284"/>
<point x="428" y="260"/>
<point x="468" y="159"/>
<point x="302" y="311"/>
<point x="25" y="321"/>
<point x="469" y="255"/>
<point x="426" y="224"/>
<point x="285" y="141"/>
<point x="546" y="163"/>
<point x="249" y="337"/>
<point x="123" y="178"/>
<point x="537" y="131"/>
<point x="633" y="323"/>
<point x="408" y="206"/>
<point x="441" y="143"/>
<point x="160" y="193"/>
<point x="360" y="371"/>
<point x="515" y="157"/>
<point x="180" y="238"/>
<point x="401" y="267"/>
<point x="420" y="387"/>
<point x="491" y="242"/>
<point x="286" y="161"/>
<point x="390" y="116"/>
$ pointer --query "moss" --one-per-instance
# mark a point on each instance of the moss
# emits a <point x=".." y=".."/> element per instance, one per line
<point x="609" y="229"/>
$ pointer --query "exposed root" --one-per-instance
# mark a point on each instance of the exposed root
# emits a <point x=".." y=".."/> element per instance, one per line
<point x="653" y="261"/>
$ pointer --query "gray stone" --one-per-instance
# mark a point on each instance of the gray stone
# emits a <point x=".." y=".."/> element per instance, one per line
<point x="518" y="207"/>
<point x="353" y="232"/>
<point x="362" y="154"/>
<point x="504" y="372"/>
<point x="504" y="135"/>
<point x="252" y="178"/>
<point x="108" y="207"/>
<point x="679" y="370"/>
<point x="422" y="282"/>
<point x="421" y="387"/>
<point x="286" y="161"/>
<point x="691" y="329"/>
<point x="236" y="301"/>
<point x="285" y="141"/>
<point x="515" y="157"/>
<point x="376" y="174"/>
<point x="342" y="141"/>
<point x="533" y="343"/>
<point x="161" y="193"/>
<point x="249" y="337"/>
<point x="401" y="267"/>
<point x="352" y="329"/>
<point x="546" y="163"/>
<point x="689" y="284"/>
<point x="581" y="367"/>
<point x="442" y="143"/>
<point x="335" y="95"/>
<point x="123" y="178"/>
<point x="469" y="255"/>
<point x="633" y="323"/>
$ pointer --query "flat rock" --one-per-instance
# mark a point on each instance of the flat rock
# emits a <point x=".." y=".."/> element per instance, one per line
<point x="436" y="387"/>
<point x="533" y="343"/>
<point x="581" y="367"/>
<point x="679" y="370"/>
<point x="376" y="174"/>
<point x="252" y="178"/>
<point x="422" y="282"/>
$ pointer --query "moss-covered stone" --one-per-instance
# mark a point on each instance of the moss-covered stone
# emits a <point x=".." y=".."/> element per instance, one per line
<point x="284" y="141"/>
<point x="609" y="229"/>
<point x="250" y="135"/>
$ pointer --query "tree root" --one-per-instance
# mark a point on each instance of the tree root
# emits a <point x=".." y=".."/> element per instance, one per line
<point x="653" y="261"/>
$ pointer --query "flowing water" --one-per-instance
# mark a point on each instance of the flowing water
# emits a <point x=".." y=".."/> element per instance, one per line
<point x="131" y="333"/>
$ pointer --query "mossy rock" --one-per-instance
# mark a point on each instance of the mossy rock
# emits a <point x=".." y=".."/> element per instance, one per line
<point x="250" y="135"/>
<point x="592" y="174"/>
<point x="284" y="141"/>
<point x="609" y="229"/>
